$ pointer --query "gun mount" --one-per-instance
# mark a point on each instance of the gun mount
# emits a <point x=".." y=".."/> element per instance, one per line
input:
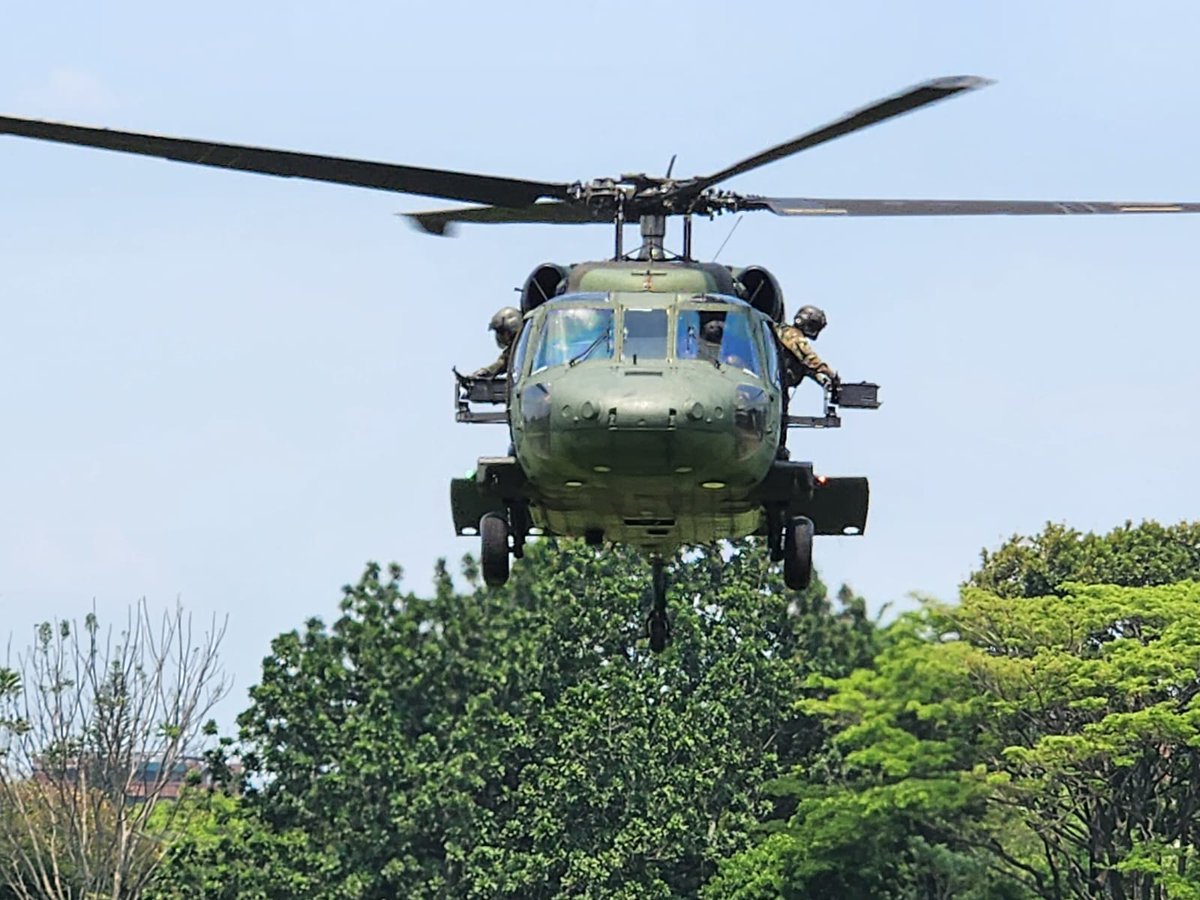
<point x="856" y="395"/>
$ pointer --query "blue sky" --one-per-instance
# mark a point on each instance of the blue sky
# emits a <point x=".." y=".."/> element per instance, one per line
<point x="233" y="390"/>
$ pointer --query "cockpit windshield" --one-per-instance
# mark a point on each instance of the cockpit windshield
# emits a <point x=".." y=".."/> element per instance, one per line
<point x="574" y="334"/>
<point x="720" y="336"/>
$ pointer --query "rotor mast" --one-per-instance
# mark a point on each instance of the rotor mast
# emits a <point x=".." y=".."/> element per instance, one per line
<point x="654" y="232"/>
<point x="653" y="227"/>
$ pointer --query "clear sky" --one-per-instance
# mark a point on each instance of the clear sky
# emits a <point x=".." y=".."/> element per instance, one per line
<point x="233" y="390"/>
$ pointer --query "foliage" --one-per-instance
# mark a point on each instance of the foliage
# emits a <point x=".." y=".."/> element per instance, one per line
<point x="92" y="727"/>
<point x="226" y="850"/>
<point x="1051" y="742"/>
<point x="1099" y="693"/>
<point x="886" y="807"/>
<point x="1142" y="555"/>
<point x="523" y="742"/>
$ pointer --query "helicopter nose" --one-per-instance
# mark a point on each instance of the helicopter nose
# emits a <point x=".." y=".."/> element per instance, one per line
<point x="642" y="413"/>
<point x="663" y="422"/>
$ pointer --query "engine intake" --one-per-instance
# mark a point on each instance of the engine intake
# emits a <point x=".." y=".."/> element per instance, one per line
<point x="762" y="291"/>
<point x="542" y="284"/>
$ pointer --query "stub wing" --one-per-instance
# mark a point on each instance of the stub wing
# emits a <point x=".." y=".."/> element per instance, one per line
<point x="497" y="481"/>
<point x="835" y="505"/>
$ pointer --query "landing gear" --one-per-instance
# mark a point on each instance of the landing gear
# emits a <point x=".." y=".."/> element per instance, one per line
<point x="518" y="515"/>
<point x="775" y="531"/>
<point x="502" y="533"/>
<point x="658" y="626"/>
<point x="493" y="558"/>
<point x="797" y="553"/>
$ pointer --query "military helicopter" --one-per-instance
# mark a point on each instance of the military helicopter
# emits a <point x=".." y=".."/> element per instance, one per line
<point x="644" y="394"/>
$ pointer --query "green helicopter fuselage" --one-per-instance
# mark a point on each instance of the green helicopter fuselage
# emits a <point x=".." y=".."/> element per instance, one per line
<point x="646" y="405"/>
<point x="647" y="418"/>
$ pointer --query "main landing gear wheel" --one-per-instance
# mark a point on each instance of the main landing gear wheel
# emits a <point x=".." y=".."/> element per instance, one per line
<point x="493" y="557"/>
<point x="658" y="625"/>
<point x="797" y="553"/>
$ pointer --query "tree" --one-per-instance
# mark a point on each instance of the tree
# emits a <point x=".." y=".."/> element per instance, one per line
<point x="1098" y="692"/>
<point x="523" y="742"/>
<point x="1132" y="555"/>
<point x="880" y="808"/>
<point x="1042" y="747"/>
<point x="96" y="729"/>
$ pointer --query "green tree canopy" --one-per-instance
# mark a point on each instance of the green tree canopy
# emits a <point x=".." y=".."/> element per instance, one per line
<point x="1042" y="747"/>
<point x="1132" y="555"/>
<point x="523" y="741"/>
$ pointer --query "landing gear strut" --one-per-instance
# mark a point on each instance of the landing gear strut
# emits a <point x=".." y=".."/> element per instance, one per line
<point x="658" y="626"/>
<point x="518" y="516"/>
<point x="775" y="531"/>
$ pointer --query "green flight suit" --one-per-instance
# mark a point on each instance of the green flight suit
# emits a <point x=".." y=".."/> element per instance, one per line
<point x="500" y="365"/>
<point x="800" y="360"/>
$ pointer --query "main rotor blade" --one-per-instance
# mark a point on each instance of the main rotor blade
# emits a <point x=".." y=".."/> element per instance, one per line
<point x="906" y="101"/>
<point x="360" y="173"/>
<point x="802" y="206"/>
<point x="442" y="221"/>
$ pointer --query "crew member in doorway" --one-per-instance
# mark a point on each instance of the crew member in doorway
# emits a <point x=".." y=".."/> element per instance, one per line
<point x="801" y="360"/>
<point x="506" y="323"/>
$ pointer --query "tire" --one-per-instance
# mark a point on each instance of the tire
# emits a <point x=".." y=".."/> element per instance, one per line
<point x="797" y="554"/>
<point x="493" y="557"/>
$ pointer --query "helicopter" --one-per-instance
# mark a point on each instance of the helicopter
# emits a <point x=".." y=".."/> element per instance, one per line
<point x="644" y="395"/>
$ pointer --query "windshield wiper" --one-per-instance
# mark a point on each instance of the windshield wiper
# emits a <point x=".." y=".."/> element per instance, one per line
<point x="587" y="351"/>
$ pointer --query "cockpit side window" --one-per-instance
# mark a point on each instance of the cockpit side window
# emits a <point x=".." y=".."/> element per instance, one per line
<point x="771" y="351"/>
<point x="645" y="334"/>
<point x="738" y="347"/>
<point x="698" y="334"/>
<point x="521" y="349"/>
<point x="721" y="336"/>
<point x="572" y="335"/>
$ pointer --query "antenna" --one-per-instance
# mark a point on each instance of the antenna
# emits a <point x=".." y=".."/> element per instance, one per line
<point x="736" y="223"/>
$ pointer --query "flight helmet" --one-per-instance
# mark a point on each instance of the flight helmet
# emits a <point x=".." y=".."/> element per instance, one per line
<point x="506" y="323"/>
<point x="810" y="320"/>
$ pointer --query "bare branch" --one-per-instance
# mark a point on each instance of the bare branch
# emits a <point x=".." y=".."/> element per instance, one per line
<point x="98" y="731"/>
